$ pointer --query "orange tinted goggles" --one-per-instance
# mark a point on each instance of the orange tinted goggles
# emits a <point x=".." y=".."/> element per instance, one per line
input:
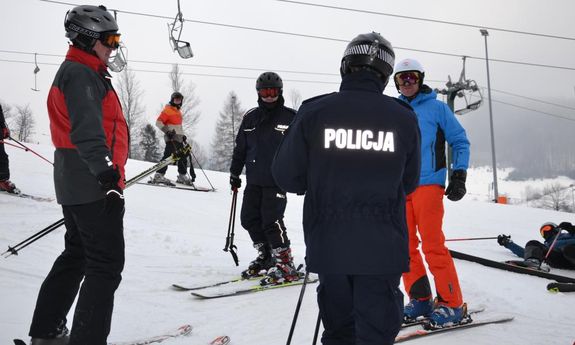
<point x="407" y="78"/>
<point x="269" y="92"/>
<point x="111" y="40"/>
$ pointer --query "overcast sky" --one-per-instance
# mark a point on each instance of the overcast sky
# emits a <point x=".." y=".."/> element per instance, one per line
<point x="222" y="36"/>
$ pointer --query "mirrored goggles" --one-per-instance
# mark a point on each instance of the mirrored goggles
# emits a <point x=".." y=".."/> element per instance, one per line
<point x="407" y="78"/>
<point x="111" y="40"/>
<point x="269" y="92"/>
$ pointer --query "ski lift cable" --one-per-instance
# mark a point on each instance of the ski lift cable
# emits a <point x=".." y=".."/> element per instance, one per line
<point x="329" y="38"/>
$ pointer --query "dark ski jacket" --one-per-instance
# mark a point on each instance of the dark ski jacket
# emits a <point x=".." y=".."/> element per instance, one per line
<point x="564" y="239"/>
<point x="356" y="155"/>
<point x="259" y="135"/>
<point x="87" y="126"/>
<point x="2" y="119"/>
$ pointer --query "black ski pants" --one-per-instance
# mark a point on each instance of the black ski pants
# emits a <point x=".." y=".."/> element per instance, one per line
<point x="4" y="169"/>
<point x="558" y="258"/>
<point x="94" y="252"/>
<point x="171" y="147"/>
<point x="360" y="309"/>
<point x="262" y="215"/>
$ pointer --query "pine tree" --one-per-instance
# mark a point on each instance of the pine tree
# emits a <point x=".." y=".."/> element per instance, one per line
<point x="150" y="144"/>
<point x="224" y="139"/>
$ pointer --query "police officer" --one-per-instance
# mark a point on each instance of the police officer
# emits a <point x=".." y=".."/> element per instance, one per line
<point x="356" y="154"/>
<point x="264" y="203"/>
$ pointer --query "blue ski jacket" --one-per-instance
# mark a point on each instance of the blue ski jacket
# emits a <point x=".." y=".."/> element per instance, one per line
<point x="438" y="124"/>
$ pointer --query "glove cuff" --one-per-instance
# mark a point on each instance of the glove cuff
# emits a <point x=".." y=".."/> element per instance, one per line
<point x="460" y="175"/>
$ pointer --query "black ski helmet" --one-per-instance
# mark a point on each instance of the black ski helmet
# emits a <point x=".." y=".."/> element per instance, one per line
<point x="269" y="80"/>
<point x="175" y="95"/>
<point x="369" y="50"/>
<point x="85" y="24"/>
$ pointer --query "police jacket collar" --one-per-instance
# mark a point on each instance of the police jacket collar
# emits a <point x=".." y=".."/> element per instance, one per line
<point x="362" y="80"/>
<point x="85" y="58"/>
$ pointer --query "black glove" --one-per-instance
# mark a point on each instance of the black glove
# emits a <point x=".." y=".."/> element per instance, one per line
<point x="456" y="188"/>
<point x="170" y="134"/>
<point x="108" y="181"/>
<point x="504" y="240"/>
<point x="235" y="182"/>
<point x="184" y="138"/>
<point x="568" y="227"/>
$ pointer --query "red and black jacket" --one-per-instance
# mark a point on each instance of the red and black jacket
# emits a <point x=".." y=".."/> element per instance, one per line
<point x="87" y="126"/>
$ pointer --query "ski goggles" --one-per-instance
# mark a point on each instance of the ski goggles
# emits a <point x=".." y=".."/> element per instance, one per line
<point x="407" y="78"/>
<point x="111" y="40"/>
<point x="269" y="92"/>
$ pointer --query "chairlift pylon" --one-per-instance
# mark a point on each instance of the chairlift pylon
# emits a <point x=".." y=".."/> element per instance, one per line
<point x="182" y="47"/>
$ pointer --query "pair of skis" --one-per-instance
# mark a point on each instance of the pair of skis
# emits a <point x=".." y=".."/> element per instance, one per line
<point x="181" y="331"/>
<point x="180" y="186"/>
<point x="196" y="290"/>
<point x="28" y="196"/>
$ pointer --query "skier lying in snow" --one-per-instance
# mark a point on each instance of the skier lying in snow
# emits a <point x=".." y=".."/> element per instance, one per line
<point x="563" y="251"/>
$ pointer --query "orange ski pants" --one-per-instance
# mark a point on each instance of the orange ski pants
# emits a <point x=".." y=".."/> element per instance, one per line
<point x="424" y="213"/>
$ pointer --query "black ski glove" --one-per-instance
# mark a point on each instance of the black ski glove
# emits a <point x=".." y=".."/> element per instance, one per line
<point x="456" y="188"/>
<point x="108" y="180"/>
<point x="235" y="182"/>
<point x="504" y="240"/>
<point x="171" y="134"/>
<point x="568" y="227"/>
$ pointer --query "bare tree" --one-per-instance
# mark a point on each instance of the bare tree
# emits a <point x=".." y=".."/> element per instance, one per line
<point x="556" y="197"/>
<point x="295" y="97"/>
<point x="130" y="94"/>
<point x="190" y="112"/>
<point x="224" y="138"/>
<point x="23" y="123"/>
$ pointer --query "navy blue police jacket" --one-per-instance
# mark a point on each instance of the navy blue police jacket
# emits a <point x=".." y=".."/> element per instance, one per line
<point x="259" y="135"/>
<point x="356" y="155"/>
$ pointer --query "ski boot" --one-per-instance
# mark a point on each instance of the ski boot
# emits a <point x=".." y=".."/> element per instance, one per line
<point x="262" y="262"/>
<point x="8" y="186"/>
<point x="60" y="338"/>
<point x="444" y="316"/>
<point x="185" y="179"/>
<point x="284" y="270"/>
<point x="159" y="178"/>
<point x="417" y="309"/>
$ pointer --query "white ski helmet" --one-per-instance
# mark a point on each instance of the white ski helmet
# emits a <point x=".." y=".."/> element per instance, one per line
<point x="409" y="65"/>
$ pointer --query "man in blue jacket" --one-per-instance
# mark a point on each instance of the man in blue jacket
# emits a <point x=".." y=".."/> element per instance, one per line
<point x="355" y="154"/>
<point x="438" y="125"/>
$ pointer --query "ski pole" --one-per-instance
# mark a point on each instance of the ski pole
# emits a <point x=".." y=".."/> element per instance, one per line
<point x="16" y="146"/>
<point x="200" y="166"/>
<point x="298" y="306"/>
<point x="550" y="249"/>
<point x="173" y="158"/>
<point x="14" y="250"/>
<point x="230" y="246"/>
<point x="26" y="148"/>
<point x="470" y="239"/>
<point x="316" y="332"/>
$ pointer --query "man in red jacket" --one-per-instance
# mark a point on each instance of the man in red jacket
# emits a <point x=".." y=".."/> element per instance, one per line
<point x="91" y="138"/>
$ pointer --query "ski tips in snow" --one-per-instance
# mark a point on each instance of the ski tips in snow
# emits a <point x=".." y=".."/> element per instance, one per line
<point x="221" y="340"/>
<point x="19" y="342"/>
<point x="561" y="287"/>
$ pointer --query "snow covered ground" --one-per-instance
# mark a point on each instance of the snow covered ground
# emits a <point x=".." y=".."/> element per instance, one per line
<point x="175" y="236"/>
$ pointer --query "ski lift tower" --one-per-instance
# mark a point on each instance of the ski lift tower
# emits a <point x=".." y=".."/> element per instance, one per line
<point x="463" y="88"/>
